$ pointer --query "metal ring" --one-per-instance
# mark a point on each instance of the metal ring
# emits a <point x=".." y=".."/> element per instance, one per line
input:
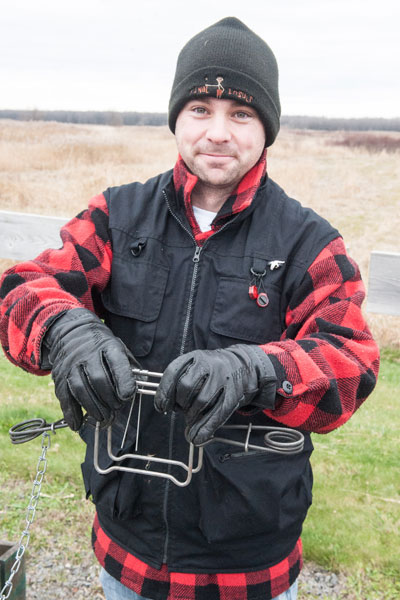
<point x="253" y="272"/>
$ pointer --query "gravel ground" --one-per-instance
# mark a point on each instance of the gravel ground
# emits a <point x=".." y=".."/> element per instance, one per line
<point x="316" y="582"/>
<point x="49" y="578"/>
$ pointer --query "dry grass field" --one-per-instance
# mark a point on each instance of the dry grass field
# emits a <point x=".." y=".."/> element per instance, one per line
<point x="351" y="179"/>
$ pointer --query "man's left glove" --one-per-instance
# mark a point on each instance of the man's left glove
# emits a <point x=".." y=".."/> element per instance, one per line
<point x="210" y="385"/>
<point x="90" y="366"/>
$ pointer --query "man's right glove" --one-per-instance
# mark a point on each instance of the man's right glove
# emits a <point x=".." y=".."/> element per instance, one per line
<point x="90" y="366"/>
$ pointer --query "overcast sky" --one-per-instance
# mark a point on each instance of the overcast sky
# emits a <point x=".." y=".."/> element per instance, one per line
<point x="336" y="57"/>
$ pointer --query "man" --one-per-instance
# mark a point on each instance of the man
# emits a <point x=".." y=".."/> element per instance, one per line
<point x="246" y="301"/>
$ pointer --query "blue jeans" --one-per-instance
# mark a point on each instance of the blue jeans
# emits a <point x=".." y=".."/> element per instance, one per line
<point x="114" y="590"/>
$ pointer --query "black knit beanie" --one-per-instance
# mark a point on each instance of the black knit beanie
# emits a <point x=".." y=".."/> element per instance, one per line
<point x="228" y="60"/>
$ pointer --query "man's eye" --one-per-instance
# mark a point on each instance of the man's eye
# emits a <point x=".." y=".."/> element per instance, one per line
<point x="200" y="110"/>
<point x="242" y="115"/>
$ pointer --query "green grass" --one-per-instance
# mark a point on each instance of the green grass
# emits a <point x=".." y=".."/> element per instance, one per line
<point x="62" y="509"/>
<point x="24" y="396"/>
<point x="354" y="522"/>
<point x="353" y="525"/>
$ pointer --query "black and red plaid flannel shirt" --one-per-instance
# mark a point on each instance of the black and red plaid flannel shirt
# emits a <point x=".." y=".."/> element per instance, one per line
<point x="161" y="584"/>
<point x="326" y="352"/>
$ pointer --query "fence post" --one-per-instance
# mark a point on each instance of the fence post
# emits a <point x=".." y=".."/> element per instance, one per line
<point x="8" y="551"/>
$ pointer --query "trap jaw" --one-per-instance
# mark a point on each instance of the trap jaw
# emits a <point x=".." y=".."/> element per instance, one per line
<point x="277" y="440"/>
<point x="148" y="388"/>
<point x="187" y="467"/>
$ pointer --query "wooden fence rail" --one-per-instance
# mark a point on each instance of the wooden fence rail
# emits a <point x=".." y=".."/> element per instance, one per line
<point x="384" y="283"/>
<point x="23" y="236"/>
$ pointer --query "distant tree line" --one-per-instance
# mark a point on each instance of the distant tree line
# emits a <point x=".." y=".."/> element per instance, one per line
<point x="143" y="118"/>
<point x="91" y="117"/>
<point x="341" y="124"/>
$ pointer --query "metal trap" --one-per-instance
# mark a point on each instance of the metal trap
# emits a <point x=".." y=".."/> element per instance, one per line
<point x="276" y="440"/>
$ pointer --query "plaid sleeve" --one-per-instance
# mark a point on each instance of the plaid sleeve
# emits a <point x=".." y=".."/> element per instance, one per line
<point x="32" y="293"/>
<point x="326" y="360"/>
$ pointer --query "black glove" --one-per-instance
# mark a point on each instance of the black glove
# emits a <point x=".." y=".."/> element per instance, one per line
<point x="210" y="385"/>
<point x="89" y="365"/>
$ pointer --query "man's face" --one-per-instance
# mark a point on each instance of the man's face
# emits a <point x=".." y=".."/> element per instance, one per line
<point x="219" y="140"/>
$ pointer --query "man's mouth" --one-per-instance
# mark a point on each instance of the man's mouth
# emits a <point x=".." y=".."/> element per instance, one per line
<point x="217" y="155"/>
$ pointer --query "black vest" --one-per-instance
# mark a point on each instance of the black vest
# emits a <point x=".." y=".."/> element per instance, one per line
<point x="242" y="511"/>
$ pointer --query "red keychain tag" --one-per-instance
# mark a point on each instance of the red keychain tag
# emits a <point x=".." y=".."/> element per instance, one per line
<point x="253" y="292"/>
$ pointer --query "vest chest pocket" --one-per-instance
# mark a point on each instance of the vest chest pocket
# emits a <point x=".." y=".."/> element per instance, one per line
<point x="133" y="299"/>
<point x="238" y="317"/>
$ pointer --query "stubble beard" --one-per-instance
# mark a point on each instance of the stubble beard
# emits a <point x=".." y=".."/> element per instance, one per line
<point x="214" y="176"/>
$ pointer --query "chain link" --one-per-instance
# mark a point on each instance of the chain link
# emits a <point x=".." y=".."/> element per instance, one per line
<point x="30" y="516"/>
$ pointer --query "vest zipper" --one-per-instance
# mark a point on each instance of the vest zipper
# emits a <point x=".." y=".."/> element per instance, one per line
<point x="177" y="219"/>
<point x="195" y="259"/>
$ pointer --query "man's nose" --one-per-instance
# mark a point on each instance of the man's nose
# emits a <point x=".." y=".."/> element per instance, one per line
<point x="218" y="130"/>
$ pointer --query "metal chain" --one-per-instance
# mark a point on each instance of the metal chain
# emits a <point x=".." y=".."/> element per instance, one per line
<point x="30" y="516"/>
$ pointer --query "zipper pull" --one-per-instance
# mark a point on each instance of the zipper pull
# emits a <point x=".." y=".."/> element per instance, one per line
<point x="224" y="457"/>
<point x="196" y="256"/>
